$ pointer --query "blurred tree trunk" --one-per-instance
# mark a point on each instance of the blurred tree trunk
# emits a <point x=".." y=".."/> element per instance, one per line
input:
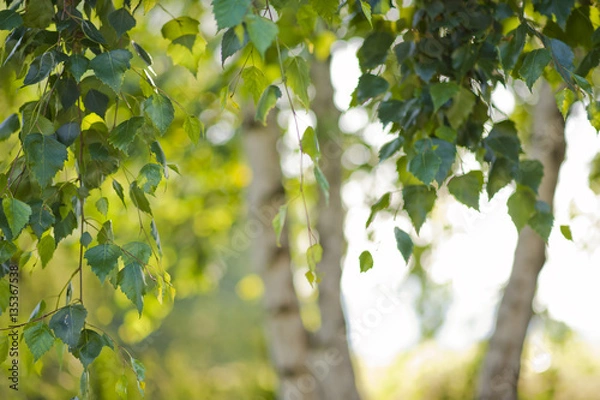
<point x="287" y="338"/>
<point x="501" y="367"/>
<point x="329" y="353"/>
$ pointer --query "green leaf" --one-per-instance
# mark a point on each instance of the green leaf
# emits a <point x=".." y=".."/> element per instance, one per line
<point x="140" y="373"/>
<point x="322" y="182"/>
<point x="404" y="243"/>
<point x="593" y="112"/>
<point x="96" y="102"/>
<point x="67" y="324"/>
<point x="229" y="13"/>
<point x="390" y="148"/>
<point x="78" y="65"/>
<point x="124" y="134"/>
<point x="17" y="214"/>
<point x="110" y="67"/>
<point x="446" y="133"/>
<point x="39" y="14"/>
<point x="533" y="65"/>
<point x="310" y="144"/>
<point x="143" y="54"/>
<point x="160" y="157"/>
<point x="418" y="202"/>
<point x="254" y="81"/>
<point x="91" y="32"/>
<point x="121" y="21"/>
<point x="327" y="9"/>
<point x="194" y="128"/>
<point x="41" y="218"/>
<point x="156" y="236"/>
<point x="370" y="86"/>
<point x="105" y="235"/>
<point x="65" y="226"/>
<point x="425" y="164"/>
<point x="501" y="174"/>
<point x="562" y="57"/>
<point x="314" y="254"/>
<point x="521" y="206"/>
<point x="462" y="105"/>
<point x="511" y="49"/>
<point x="39" y="339"/>
<point x="442" y="92"/>
<point x="7" y="250"/>
<point x="566" y="232"/>
<point x="45" y="248"/>
<point x="564" y="100"/>
<point x="136" y="253"/>
<point x="139" y="198"/>
<point x="9" y="126"/>
<point x="149" y="177"/>
<point x="366" y="9"/>
<point x="119" y="191"/>
<point x="366" y="261"/>
<point x="279" y="222"/>
<point x="374" y="50"/>
<point x="40" y="68"/>
<point x="160" y="111"/>
<point x="231" y="44"/>
<point x="10" y="20"/>
<point x="103" y="259"/>
<point x="68" y="133"/>
<point x="530" y="174"/>
<point x="102" y="206"/>
<point x="466" y="188"/>
<point x="561" y="9"/>
<point x="85" y="239"/>
<point x="261" y="31"/>
<point x="381" y="204"/>
<point x="88" y="347"/>
<point x="266" y="103"/>
<point x="180" y="27"/>
<point x="133" y="284"/>
<point x="542" y="220"/>
<point x="298" y="78"/>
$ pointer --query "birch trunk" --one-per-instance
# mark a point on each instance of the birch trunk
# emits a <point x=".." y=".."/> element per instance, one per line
<point x="329" y="354"/>
<point x="501" y="367"/>
<point x="287" y="337"/>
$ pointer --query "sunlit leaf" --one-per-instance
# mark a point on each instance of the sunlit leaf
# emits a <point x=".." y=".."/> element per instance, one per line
<point x="39" y="339"/>
<point x="310" y="144"/>
<point x="45" y="248"/>
<point x="322" y="182"/>
<point x="298" y="78"/>
<point x="566" y="232"/>
<point x="261" y="31"/>
<point x="366" y="261"/>
<point x="17" y="214"/>
<point x="266" y="103"/>
<point x="521" y="206"/>
<point x="381" y="204"/>
<point x="313" y="256"/>
<point x="279" y="222"/>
